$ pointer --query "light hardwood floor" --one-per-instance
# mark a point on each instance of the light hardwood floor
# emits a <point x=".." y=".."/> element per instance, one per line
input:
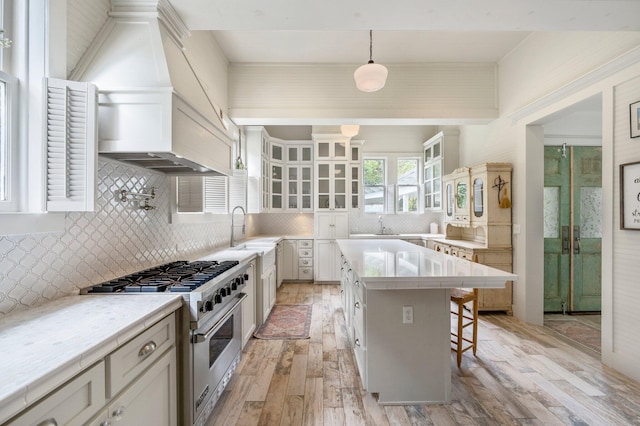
<point x="522" y="375"/>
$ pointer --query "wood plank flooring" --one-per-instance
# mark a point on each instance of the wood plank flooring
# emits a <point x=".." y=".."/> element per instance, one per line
<point x="522" y="375"/>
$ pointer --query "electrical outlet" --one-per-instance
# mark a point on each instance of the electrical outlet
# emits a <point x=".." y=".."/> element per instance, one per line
<point x="407" y="314"/>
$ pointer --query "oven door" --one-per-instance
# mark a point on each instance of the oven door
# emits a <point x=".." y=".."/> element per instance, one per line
<point x="214" y="349"/>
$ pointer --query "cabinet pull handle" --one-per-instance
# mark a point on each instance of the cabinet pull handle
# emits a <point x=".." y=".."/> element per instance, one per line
<point x="147" y="349"/>
<point x="49" y="422"/>
<point x="118" y="412"/>
<point x="106" y="423"/>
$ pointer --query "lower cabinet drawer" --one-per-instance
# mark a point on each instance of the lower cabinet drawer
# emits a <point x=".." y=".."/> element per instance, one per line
<point x="126" y="363"/>
<point x="305" y="273"/>
<point x="72" y="404"/>
<point x="305" y="261"/>
<point x="305" y="243"/>
<point x="305" y="252"/>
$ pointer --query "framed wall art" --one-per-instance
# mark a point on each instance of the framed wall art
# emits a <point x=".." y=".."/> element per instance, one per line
<point x="634" y="119"/>
<point x="630" y="196"/>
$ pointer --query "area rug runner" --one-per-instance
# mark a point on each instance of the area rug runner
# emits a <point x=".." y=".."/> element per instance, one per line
<point x="286" y="322"/>
<point x="576" y="331"/>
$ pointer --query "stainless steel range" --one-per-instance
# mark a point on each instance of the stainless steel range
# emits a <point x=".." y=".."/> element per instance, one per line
<point x="210" y="326"/>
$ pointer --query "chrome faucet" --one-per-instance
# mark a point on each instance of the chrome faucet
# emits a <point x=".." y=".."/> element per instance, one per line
<point x="244" y="214"/>
<point x="381" y="231"/>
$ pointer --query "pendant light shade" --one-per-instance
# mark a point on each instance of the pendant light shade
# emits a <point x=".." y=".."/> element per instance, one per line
<point x="370" y="77"/>
<point x="349" y="130"/>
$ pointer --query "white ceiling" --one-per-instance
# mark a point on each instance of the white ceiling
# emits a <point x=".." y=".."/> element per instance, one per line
<point x="404" y="31"/>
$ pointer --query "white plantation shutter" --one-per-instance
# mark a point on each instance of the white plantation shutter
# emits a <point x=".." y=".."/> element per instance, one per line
<point x="238" y="189"/>
<point x="215" y="194"/>
<point x="190" y="194"/>
<point x="71" y="138"/>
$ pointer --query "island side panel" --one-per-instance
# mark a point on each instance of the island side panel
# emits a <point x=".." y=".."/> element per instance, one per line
<point x="409" y="363"/>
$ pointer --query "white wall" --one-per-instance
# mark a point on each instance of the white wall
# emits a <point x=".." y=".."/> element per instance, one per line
<point x="544" y="75"/>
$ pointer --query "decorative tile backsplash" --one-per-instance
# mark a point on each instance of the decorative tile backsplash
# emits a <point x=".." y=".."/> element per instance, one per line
<point x="115" y="240"/>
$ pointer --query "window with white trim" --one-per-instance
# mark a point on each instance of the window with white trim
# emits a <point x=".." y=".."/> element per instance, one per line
<point x="374" y="180"/>
<point x="407" y="185"/>
<point x="8" y="143"/>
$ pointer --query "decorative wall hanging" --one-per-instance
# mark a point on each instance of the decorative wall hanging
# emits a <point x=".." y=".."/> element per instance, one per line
<point x="503" y="198"/>
<point x="634" y="119"/>
<point x="630" y="196"/>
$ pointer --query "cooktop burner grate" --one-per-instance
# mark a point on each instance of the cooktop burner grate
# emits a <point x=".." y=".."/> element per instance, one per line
<point x="179" y="276"/>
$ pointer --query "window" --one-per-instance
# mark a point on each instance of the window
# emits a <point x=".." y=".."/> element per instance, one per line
<point x="407" y="192"/>
<point x="8" y="143"/>
<point x="374" y="185"/>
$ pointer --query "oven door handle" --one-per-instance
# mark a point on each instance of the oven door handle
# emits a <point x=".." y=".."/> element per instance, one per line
<point x="200" y="337"/>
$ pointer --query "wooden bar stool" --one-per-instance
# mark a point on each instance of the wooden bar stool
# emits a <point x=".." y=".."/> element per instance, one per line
<point x="460" y="342"/>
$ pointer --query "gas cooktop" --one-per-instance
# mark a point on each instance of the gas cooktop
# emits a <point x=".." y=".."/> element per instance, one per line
<point x="180" y="276"/>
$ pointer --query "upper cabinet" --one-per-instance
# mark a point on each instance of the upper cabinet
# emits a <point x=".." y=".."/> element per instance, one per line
<point x="332" y="147"/>
<point x="280" y="173"/>
<point x="440" y="156"/>
<point x="457" y="197"/>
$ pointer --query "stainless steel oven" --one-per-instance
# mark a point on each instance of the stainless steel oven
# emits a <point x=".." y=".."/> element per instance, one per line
<point x="209" y="338"/>
<point x="216" y="349"/>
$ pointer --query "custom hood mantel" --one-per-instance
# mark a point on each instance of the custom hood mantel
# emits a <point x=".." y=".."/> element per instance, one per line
<point x="153" y="110"/>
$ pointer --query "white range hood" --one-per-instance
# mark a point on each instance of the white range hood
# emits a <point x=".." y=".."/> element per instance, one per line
<point x="153" y="111"/>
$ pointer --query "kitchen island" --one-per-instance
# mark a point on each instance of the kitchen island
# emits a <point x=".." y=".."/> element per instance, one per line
<point x="397" y="312"/>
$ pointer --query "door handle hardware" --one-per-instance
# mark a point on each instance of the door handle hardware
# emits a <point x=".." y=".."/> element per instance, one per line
<point x="566" y="242"/>
<point x="576" y="240"/>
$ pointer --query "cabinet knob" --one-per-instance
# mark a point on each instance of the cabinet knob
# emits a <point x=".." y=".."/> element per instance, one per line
<point x="118" y="412"/>
<point x="357" y="342"/>
<point x="357" y="305"/>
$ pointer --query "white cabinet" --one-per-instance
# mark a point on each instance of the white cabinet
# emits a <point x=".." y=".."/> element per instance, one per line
<point x="280" y="173"/>
<point x="331" y="185"/>
<point x="258" y="153"/>
<point x="440" y="158"/>
<point x="332" y="147"/>
<point x="151" y="399"/>
<point x="269" y="287"/>
<point x="249" y="304"/>
<point x="327" y="260"/>
<point x="72" y="404"/>
<point x="331" y="225"/>
<point x="299" y="177"/>
<point x="298" y="260"/>
<point x="279" y="263"/>
<point x="133" y="385"/>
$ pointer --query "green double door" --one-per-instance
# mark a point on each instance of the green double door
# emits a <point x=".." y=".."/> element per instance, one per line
<point x="572" y="228"/>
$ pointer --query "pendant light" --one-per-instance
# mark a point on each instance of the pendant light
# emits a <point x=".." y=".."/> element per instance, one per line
<point x="370" y="77"/>
<point x="349" y="130"/>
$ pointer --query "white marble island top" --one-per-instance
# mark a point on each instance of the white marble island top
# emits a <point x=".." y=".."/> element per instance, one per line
<point x="385" y="264"/>
<point x="41" y="348"/>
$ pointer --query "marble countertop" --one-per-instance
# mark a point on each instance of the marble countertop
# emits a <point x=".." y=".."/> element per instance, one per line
<point x="395" y="264"/>
<point x="397" y="236"/>
<point x="45" y="346"/>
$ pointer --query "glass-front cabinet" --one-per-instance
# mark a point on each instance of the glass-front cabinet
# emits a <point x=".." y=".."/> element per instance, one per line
<point x="440" y="157"/>
<point x="299" y="187"/>
<point x="458" y="198"/>
<point x="333" y="149"/>
<point x="331" y="185"/>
